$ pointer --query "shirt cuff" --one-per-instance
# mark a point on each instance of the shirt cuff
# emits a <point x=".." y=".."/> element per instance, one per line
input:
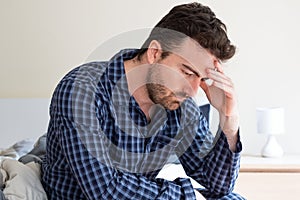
<point x="222" y="140"/>
<point x="187" y="190"/>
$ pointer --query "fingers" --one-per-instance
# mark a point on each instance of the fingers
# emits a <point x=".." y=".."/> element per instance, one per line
<point x="219" y="77"/>
<point x="228" y="90"/>
<point x="221" y="81"/>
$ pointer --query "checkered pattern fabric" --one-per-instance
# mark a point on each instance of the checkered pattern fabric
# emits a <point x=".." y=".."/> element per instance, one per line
<point x="101" y="146"/>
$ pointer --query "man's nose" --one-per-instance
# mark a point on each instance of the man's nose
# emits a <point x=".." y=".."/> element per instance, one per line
<point x="192" y="88"/>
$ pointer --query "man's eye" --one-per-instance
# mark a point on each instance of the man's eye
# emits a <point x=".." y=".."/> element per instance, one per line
<point x="188" y="73"/>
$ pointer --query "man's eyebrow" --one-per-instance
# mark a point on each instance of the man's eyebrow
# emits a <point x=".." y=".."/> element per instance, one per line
<point x="191" y="69"/>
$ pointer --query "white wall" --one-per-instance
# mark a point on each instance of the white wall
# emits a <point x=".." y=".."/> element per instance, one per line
<point x="42" y="40"/>
<point x="22" y="119"/>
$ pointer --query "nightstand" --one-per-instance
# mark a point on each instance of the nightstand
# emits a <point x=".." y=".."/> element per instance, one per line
<point x="269" y="178"/>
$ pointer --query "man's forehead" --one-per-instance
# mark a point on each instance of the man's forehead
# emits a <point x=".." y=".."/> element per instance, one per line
<point x="198" y="57"/>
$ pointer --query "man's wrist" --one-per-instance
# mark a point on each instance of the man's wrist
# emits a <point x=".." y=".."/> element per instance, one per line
<point x="230" y="126"/>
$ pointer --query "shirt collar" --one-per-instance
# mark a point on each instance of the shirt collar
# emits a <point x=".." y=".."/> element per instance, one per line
<point x="116" y="70"/>
<point x="117" y="76"/>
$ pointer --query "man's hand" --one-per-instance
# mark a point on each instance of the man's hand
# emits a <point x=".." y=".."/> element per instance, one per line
<point x="221" y="95"/>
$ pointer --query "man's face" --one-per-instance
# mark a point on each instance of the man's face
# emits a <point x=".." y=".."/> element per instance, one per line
<point x="173" y="79"/>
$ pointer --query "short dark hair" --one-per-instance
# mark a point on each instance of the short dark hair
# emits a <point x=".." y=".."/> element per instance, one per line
<point x="196" y="21"/>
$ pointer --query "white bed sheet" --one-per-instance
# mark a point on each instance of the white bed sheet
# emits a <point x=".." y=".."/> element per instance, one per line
<point x="173" y="171"/>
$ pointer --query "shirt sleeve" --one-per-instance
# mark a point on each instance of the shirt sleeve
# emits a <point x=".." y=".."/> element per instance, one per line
<point x="87" y="151"/>
<point x="208" y="159"/>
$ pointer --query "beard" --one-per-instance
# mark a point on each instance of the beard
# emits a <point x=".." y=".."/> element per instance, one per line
<point x="159" y="93"/>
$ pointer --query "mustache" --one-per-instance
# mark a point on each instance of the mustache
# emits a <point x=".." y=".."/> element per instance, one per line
<point x="181" y="94"/>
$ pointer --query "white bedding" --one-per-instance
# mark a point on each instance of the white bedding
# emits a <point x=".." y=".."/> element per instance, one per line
<point x="22" y="182"/>
<point x="173" y="171"/>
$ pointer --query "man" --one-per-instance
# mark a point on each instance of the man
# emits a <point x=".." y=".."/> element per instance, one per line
<point x="115" y="124"/>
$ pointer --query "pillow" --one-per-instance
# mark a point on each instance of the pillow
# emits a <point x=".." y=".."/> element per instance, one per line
<point x="3" y="176"/>
<point x="37" y="153"/>
<point x="23" y="181"/>
<point x="17" y="150"/>
<point x="2" y="197"/>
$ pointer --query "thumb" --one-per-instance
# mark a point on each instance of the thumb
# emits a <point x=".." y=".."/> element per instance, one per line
<point x="205" y="88"/>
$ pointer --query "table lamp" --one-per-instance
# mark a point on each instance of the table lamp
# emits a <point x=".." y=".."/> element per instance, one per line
<point x="270" y="121"/>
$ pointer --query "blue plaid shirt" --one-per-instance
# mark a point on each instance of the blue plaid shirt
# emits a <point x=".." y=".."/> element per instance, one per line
<point x="100" y="144"/>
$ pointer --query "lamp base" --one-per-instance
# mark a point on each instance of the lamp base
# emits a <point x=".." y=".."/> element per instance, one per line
<point x="272" y="149"/>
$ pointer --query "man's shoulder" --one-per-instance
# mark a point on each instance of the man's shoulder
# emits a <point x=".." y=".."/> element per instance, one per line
<point x="88" y="72"/>
<point x="86" y="79"/>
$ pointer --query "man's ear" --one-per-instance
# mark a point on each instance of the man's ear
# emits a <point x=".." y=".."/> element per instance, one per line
<point x="154" y="52"/>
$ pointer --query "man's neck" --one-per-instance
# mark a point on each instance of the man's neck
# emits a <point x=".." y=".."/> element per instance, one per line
<point x="136" y="73"/>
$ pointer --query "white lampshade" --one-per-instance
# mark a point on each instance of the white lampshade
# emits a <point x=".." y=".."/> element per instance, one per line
<point x="270" y="120"/>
